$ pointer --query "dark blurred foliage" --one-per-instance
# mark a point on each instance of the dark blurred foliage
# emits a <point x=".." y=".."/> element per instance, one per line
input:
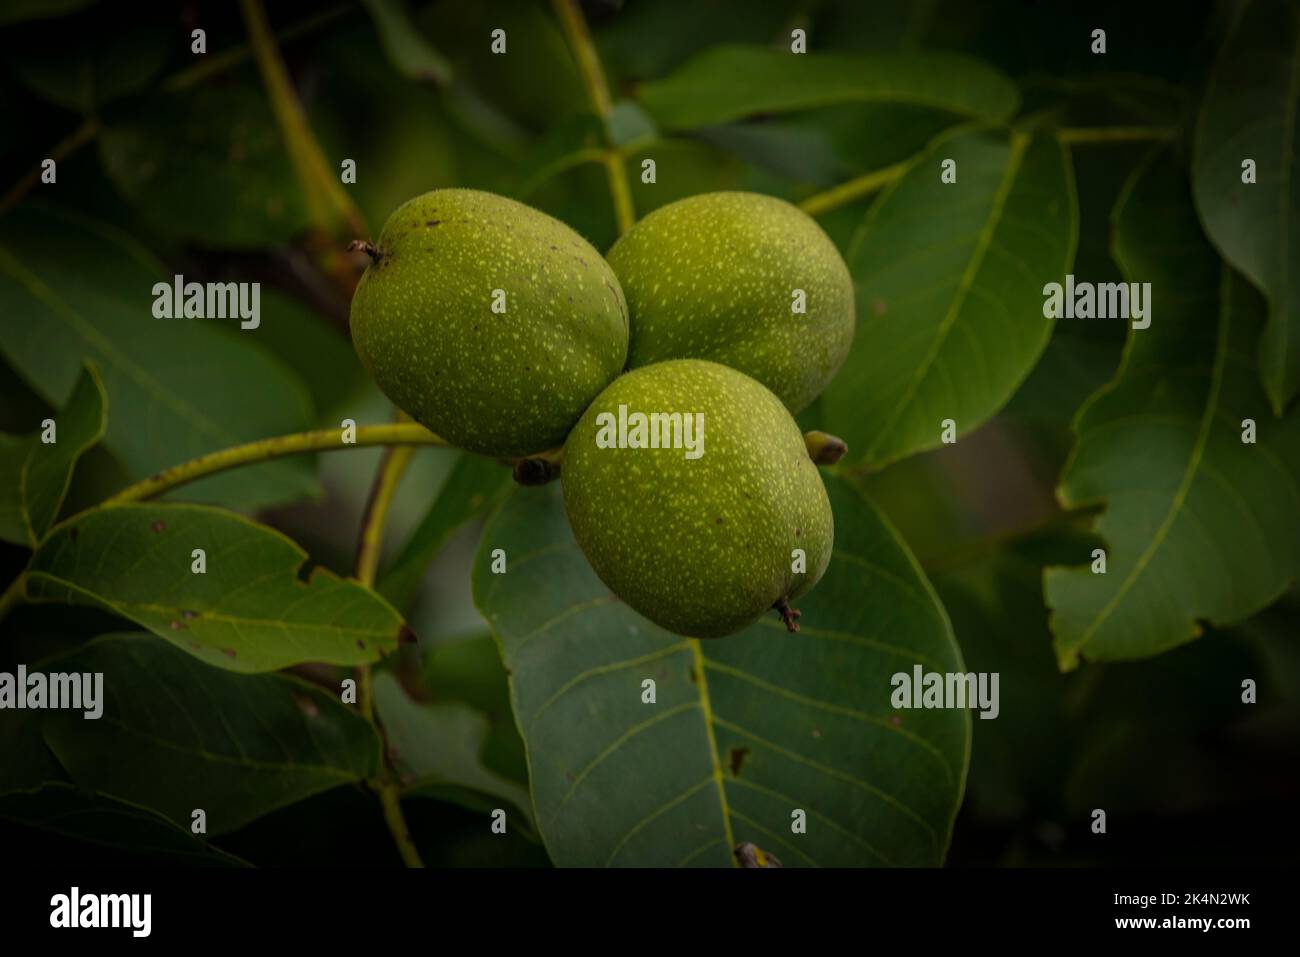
<point x="191" y="165"/>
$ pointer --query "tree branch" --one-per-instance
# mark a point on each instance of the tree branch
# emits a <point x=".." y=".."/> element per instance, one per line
<point x="853" y="190"/>
<point x="384" y="784"/>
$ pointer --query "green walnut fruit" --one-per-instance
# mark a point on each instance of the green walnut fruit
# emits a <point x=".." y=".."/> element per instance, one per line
<point x="488" y="321"/>
<point x="742" y="279"/>
<point x="690" y="490"/>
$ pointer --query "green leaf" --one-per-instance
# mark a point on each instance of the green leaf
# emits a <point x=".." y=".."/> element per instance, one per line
<point x="745" y="729"/>
<point x="224" y="137"/>
<point x="730" y="82"/>
<point x="1252" y="111"/>
<point x="697" y="167"/>
<point x="950" y="284"/>
<point x="629" y="125"/>
<point x="16" y="11"/>
<point x="1081" y="356"/>
<point x="649" y="39"/>
<point x="415" y="58"/>
<point x="412" y="55"/>
<point x="438" y="750"/>
<point x="73" y="289"/>
<point x="176" y="735"/>
<point x="28" y="762"/>
<point x="317" y="350"/>
<point x="542" y="80"/>
<point x="34" y="476"/>
<point x="86" y="62"/>
<point x="1019" y="761"/>
<point x="801" y="154"/>
<point x="259" y="606"/>
<point x="474" y="486"/>
<point x="1200" y="525"/>
<point x="122" y="832"/>
<point x="408" y="51"/>
<point x="470" y="671"/>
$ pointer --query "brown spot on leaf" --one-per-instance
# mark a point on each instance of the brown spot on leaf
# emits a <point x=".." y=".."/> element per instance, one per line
<point x="736" y="758"/>
<point x="228" y="652"/>
<point x="176" y="625"/>
<point x="361" y="644"/>
<point x="159" y="525"/>
<point x="306" y="704"/>
<point x="878" y="307"/>
<point x="895" y="720"/>
<point x="189" y="615"/>
<point x="816" y="732"/>
<point x="434" y="222"/>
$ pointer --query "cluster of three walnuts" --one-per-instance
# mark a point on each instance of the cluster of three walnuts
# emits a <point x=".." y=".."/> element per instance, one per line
<point x="507" y="334"/>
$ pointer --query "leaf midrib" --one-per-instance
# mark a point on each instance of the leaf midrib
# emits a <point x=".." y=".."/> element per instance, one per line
<point x="1019" y="143"/>
<point x="1190" y="471"/>
<point x="706" y="706"/>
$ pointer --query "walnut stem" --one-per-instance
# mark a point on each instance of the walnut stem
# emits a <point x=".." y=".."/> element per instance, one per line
<point x="789" y="615"/>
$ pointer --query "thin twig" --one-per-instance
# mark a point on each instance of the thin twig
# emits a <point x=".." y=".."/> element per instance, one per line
<point x="853" y="190"/>
<point x="320" y="440"/>
<point x="330" y="206"/>
<point x="593" y="78"/>
<point x="217" y="63"/>
<point x="389" y="473"/>
<point x="391" y="801"/>
<point x="82" y="135"/>
<point x="1117" y="134"/>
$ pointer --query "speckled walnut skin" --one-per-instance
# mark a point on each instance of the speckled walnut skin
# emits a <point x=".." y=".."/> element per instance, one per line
<point x="505" y="385"/>
<point x="701" y="547"/>
<point x="712" y="276"/>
